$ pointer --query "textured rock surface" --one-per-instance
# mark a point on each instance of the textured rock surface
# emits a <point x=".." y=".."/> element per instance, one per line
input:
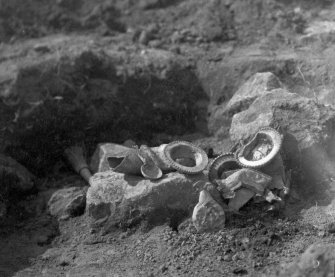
<point x="115" y="198"/>
<point x="221" y="80"/>
<point x="256" y="86"/>
<point x="309" y="122"/>
<point x="18" y="178"/>
<point x="308" y="127"/>
<point x="68" y="202"/>
<point x="317" y="261"/>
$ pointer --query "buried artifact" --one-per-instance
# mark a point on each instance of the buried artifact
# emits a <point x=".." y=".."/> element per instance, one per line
<point x="149" y="162"/>
<point x="255" y="170"/>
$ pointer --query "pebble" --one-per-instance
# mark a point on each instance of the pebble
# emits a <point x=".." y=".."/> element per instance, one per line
<point x="240" y="271"/>
<point x="322" y="234"/>
<point x="227" y="258"/>
<point x="41" y="48"/>
<point x="163" y="268"/>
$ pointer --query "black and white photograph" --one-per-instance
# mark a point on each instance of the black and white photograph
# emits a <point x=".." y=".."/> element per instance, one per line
<point x="167" y="138"/>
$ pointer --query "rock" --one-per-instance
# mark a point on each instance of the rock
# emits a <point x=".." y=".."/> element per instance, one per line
<point x="208" y="215"/>
<point x="16" y="180"/>
<point x="222" y="79"/>
<point x="17" y="177"/>
<point x="258" y="85"/>
<point x="316" y="261"/>
<point x="69" y="202"/>
<point x="42" y="48"/>
<point x="288" y="110"/>
<point x="99" y="162"/>
<point x="115" y="199"/>
<point x="321" y="216"/>
<point x="308" y="131"/>
<point x="214" y="22"/>
<point x="144" y="37"/>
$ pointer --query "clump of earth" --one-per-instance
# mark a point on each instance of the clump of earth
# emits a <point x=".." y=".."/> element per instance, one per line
<point x="153" y="71"/>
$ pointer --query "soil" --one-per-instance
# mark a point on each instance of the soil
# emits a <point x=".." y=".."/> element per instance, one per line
<point x="254" y="243"/>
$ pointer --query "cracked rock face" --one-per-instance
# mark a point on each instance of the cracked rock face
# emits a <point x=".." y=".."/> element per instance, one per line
<point x="68" y="202"/>
<point x="307" y="127"/>
<point x="258" y="85"/>
<point x="115" y="199"/>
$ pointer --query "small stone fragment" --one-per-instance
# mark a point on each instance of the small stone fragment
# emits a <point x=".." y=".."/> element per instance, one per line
<point x="42" y="48"/>
<point x="240" y="271"/>
<point x="144" y="37"/>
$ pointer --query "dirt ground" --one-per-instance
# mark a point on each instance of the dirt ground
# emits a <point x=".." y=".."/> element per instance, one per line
<point x="254" y="243"/>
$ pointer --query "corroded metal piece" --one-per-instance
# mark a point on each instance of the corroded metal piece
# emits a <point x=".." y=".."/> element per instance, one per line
<point x="261" y="149"/>
<point x="251" y="179"/>
<point x="127" y="162"/>
<point x="149" y="169"/>
<point x="223" y="163"/>
<point x="208" y="215"/>
<point x="151" y="162"/>
<point x="185" y="157"/>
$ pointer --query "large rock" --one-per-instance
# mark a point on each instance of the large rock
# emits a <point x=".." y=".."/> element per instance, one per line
<point x="308" y="121"/>
<point x="317" y="261"/>
<point x="221" y="79"/>
<point x="116" y="199"/>
<point x="308" y="129"/>
<point x="68" y="202"/>
<point x="258" y="85"/>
